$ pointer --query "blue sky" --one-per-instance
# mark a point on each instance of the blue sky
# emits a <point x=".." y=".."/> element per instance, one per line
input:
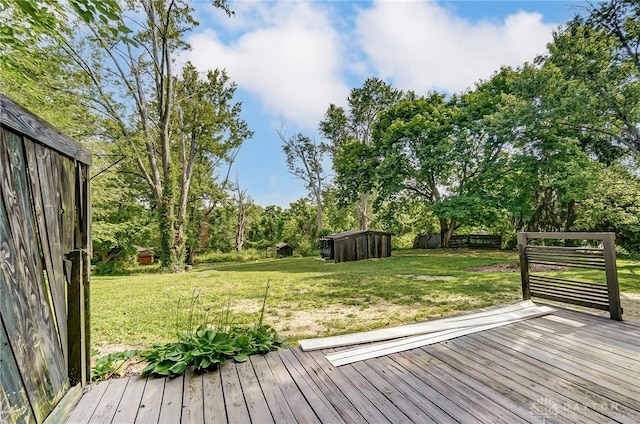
<point x="291" y="59"/>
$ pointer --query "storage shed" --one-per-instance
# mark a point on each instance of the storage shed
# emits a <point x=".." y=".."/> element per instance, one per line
<point x="145" y="257"/>
<point x="354" y="245"/>
<point x="284" y="250"/>
<point x="45" y="233"/>
<point x="428" y="241"/>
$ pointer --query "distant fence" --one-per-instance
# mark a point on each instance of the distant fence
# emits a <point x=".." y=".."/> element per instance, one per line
<point x="45" y="230"/>
<point x="473" y="241"/>
<point x="591" y="294"/>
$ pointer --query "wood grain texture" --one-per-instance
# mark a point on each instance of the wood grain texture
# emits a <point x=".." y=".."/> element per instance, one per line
<point x="214" y="409"/>
<point x="171" y="409"/>
<point x="65" y="406"/>
<point x="278" y="405"/>
<point x="234" y="402"/>
<point x="14" y="403"/>
<point x="39" y="209"/>
<point x="47" y="165"/>
<point x="108" y="405"/>
<point x="27" y="314"/>
<point x="20" y="119"/>
<point x="192" y="398"/>
<point x="88" y="404"/>
<point x="67" y="190"/>
<point x="253" y="394"/>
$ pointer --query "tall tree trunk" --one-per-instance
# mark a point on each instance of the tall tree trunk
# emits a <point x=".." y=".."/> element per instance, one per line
<point x="319" y="211"/>
<point x="448" y="229"/>
<point x="240" y="233"/>
<point x="241" y="217"/>
<point x="363" y="211"/>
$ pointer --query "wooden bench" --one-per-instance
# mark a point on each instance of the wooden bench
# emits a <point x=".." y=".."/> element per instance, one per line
<point x="590" y="294"/>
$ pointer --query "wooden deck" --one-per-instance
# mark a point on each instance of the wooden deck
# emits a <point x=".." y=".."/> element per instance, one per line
<point x="567" y="367"/>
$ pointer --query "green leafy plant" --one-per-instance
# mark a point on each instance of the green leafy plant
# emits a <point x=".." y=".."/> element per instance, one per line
<point x="109" y="365"/>
<point x="208" y="347"/>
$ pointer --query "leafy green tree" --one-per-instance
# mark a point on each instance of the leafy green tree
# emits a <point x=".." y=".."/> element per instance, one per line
<point x="121" y="213"/>
<point x="165" y="124"/>
<point x="614" y="206"/>
<point x="547" y="173"/>
<point x="349" y="131"/>
<point x="340" y="216"/>
<point x="28" y="27"/>
<point x="597" y="57"/>
<point x="268" y="228"/>
<point x="300" y="228"/>
<point x="304" y="159"/>
<point x="210" y="131"/>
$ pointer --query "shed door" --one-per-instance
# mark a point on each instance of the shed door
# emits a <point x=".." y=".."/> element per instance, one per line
<point x="33" y="375"/>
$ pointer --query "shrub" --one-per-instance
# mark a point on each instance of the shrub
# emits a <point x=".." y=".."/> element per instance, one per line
<point x="207" y="348"/>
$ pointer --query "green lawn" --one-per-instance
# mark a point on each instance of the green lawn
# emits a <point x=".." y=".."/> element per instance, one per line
<point x="307" y="297"/>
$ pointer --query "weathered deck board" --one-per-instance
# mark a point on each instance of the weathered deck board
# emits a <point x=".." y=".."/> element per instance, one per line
<point x="295" y="389"/>
<point x="581" y="392"/>
<point x="192" y="399"/>
<point x="541" y="370"/>
<point x="88" y="404"/>
<point x="151" y="401"/>
<point x="237" y="411"/>
<point x="253" y="395"/>
<point x="171" y="407"/>
<point x="108" y="406"/>
<point x="214" y="410"/>
<point x="276" y="401"/>
<point x="127" y="411"/>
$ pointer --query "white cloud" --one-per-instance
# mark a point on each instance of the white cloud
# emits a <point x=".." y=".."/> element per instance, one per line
<point x="423" y="46"/>
<point x="286" y="53"/>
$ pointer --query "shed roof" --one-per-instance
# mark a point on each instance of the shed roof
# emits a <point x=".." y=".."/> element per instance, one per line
<point x="14" y="116"/>
<point x="353" y="233"/>
<point x="283" y="244"/>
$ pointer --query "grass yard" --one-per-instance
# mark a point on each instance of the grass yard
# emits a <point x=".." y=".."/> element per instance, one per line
<point x="307" y="297"/>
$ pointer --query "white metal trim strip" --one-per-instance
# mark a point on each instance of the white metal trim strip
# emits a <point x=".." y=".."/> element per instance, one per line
<point x="387" y="348"/>
<point x="453" y="323"/>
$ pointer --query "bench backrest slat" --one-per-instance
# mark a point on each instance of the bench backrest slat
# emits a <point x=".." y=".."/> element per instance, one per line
<point x="591" y="294"/>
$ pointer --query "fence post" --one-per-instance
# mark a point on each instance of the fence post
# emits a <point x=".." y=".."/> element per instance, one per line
<point x="524" y="266"/>
<point x="77" y="363"/>
<point x="608" y="244"/>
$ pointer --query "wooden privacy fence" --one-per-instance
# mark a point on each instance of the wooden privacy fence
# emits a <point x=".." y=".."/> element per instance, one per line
<point x="590" y="294"/>
<point x="476" y="241"/>
<point x="44" y="268"/>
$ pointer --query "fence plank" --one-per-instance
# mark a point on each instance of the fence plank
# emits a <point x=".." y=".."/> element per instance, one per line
<point x="59" y="305"/>
<point x="47" y="164"/>
<point x="75" y="303"/>
<point x="15" y="116"/>
<point x="67" y="190"/>
<point x="14" y="403"/>
<point x="26" y="314"/>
